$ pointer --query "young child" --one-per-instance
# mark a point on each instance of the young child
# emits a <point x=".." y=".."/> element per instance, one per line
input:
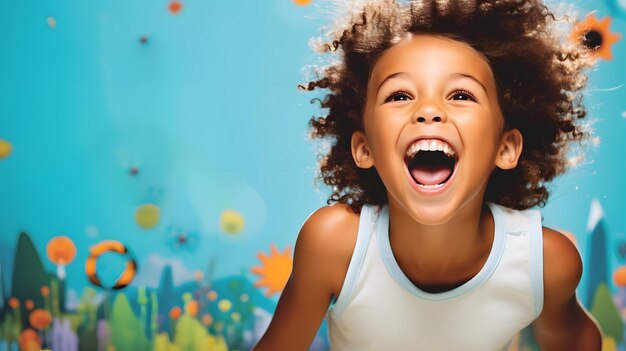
<point x="446" y="119"/>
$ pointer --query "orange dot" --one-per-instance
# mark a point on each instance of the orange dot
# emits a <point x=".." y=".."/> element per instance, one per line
<point x="14" y="302"/>
<point x="207" y="320"/>
<point x="192" y="308"/>
<point x="52" y="22"/>
<point x="619" y="276"/>
<point x="175" y="7"/>
<point x="5" y="149"/>
<point x="302" y="2"/>
<point x="29" y="340"/>
<point x="175" y="312"/>
<point x="45" y="291"/>
<point x="40" y="319"/>
<point x="29" y="304"/>
<point x="212" y="295"/>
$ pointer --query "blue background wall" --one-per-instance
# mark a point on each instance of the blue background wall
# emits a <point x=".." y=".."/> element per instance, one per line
<point x="208" y="112"/>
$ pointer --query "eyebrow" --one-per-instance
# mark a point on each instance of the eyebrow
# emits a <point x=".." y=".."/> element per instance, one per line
<point x="453" y="75"/>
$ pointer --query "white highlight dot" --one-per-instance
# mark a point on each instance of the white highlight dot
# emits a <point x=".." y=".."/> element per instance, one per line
<point x="92" y="231"/>
<point x="52" y="22"/>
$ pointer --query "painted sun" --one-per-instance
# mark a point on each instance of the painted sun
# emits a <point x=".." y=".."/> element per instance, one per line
<point x="274" y="271"/>
<point x="595" y="35"/>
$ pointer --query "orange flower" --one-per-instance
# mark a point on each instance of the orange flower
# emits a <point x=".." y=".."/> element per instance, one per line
<point x="192" y="308"/>
<point x="14" y="303"/>
<point x="40" y="319"/>
<point x="61" y="250"/>
<point x="29" y="340"/>
<point x="175" y="7"/>
<point x="595" y="35"/>
<point x="175" y="313"/>
<point x="45" y="291"/>
<point x="207" y="320"/>
<point x="619" y="276"/>
<point x="29" y="304"/>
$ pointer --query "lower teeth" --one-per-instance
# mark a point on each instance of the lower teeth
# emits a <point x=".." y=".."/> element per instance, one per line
<point x="430" y="186"/>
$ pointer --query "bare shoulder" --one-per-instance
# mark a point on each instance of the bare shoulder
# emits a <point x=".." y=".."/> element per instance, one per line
<point x="330" y="221"/>
<point x="562" y="265"/>
<point x="321" y="258"/>
<point x="563" y="323"/>
<point x="327" y="238"/>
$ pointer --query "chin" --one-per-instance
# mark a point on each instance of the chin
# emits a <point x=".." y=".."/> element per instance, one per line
<point x="432" y="214"/>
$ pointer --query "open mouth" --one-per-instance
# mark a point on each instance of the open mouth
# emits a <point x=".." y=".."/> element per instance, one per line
<point x="431" y="162"/>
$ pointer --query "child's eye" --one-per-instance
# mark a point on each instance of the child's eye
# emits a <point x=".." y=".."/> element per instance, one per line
<point x="463" y="95"/>
<point x="398" y="95"/>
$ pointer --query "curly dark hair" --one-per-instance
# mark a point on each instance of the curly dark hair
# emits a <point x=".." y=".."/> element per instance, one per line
<point x="539" y="81"/>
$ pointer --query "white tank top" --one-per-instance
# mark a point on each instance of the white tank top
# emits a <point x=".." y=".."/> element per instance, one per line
<point x="379" y="308"/>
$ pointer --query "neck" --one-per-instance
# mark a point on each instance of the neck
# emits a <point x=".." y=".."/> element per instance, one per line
<point x="457" y="245"/>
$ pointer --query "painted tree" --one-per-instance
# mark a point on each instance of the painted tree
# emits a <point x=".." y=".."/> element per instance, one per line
<point x="127" y="331"/>
<point x="9" y="330"/>
<point x="604" y="311"/>
<point x="154" y="314"/>
<point x="88" y="310"/>
<point x="191" y="335"/>
<point x="28" y="274"/>
<point x="142" y="301"/>
<point x="598" y="262"/>
<point x="167" y="299"/>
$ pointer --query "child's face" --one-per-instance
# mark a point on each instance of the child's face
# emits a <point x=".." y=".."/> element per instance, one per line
<point x="429" y="92"/>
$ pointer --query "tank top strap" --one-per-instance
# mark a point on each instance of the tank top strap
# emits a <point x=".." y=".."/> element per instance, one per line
<point x="527" y="224"/>
<point x="536" y="259"/>
<point x="367" y="221"/>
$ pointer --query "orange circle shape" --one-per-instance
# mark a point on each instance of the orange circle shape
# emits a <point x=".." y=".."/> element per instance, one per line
<point x="175" y="7"/>
<point x="619" y="276"/>
<point x="61" y="250"/>
<point x="40" y="319"/>
<point x="192" y="308"/>
<point x="14" y="302"/>
<point x="113" y="246"/>
<point x="175" y="313"/>
<point x="29" y="340"/>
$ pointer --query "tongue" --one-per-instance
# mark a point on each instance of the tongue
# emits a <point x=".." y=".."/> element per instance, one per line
<point x="430" y="175"/>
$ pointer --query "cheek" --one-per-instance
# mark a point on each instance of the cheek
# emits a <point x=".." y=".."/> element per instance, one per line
<point x="482" y="126"/>
<point x="384" y="136"/>
<point x="482" y="138"/>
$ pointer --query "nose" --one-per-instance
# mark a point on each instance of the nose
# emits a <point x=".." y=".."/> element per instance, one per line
<point x="429" y="114"/>
<point x="434" y="119"/>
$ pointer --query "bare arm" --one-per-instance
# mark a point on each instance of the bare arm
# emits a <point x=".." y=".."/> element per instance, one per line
<point x="563" y="324"/>
<point x="321" y="258"/>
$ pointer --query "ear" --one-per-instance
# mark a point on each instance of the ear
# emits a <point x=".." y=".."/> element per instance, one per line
<point x="361" y="151"/>
<point x="510" y="149"/>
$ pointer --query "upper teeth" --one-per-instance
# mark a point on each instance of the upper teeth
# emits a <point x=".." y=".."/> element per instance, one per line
<point x="429" y="145"/>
